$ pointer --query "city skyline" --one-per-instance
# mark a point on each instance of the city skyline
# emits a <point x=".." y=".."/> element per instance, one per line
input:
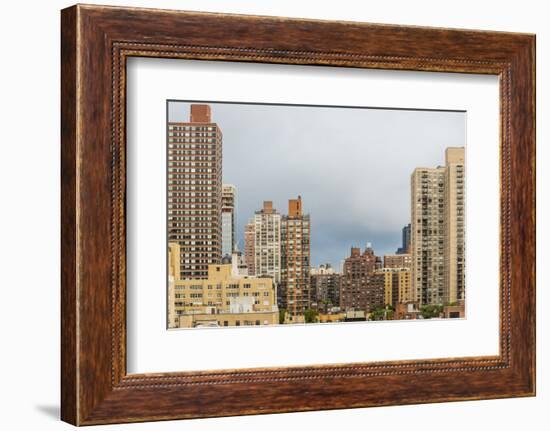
<point x="211" y="283"/>
<point x="354" y="214"/>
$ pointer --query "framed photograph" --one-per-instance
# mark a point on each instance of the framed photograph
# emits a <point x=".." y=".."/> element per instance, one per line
<point x="263" y="215"/>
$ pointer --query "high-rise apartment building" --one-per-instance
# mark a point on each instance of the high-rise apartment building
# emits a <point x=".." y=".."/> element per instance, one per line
<point x="455" y="189"/>
<point x="428" y="233"/>
<point x="361" y="288"/>
<point x="437" y="230"/>
<point x="229" y="213"/>
<point x="194" y="191"/>
<point x="325" y="287"/>
<point x="295" y="260"/>
<point x="265" y="231"/>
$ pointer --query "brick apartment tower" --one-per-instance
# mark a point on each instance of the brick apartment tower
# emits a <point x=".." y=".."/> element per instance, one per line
<point x="195" y="191"/>
<point x="295" y="259"/>
<point x="325" y="288"/>
<point x="437" y="230"/>
<point x="361" y="288"/>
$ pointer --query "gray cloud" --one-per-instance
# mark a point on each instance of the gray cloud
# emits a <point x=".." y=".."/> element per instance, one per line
<point x="351" y="166"/>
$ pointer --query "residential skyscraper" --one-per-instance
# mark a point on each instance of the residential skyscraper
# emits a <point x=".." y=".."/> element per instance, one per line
<point x="295" y="260"/>
<point x="229" y="214"/>
<point x="437" y="230"/>
<point x="194" y="191"/>
<point x="266" y="225"/>
<point x="455" y="189"/>
<point x="428" y="233"/>
<point x="325" y="287"/>
<point x="361" y="287"/>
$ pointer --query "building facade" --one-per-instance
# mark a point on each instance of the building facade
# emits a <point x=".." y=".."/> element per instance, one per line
<point x="238" y="264"/>
<point x="407" y="311"/>
<point x="437" y="230"/>
<point x="194" y="191"/>
<point x="455" y="311"/>
<point x="173" y="275"/>
<point x="263" y="239"/>
<point x="428" y="233"/>
<point x="455" y="190"/>
<point x="397" y="286"/>
<point x="295" y="260"/>
<point x="397" y="261"/>
<point x="223" y="299"/>
<point x="229" y="214"/>
<point x="249" y="247"/>
<point x="361" y="288"/>
<point x="325" y="288"/>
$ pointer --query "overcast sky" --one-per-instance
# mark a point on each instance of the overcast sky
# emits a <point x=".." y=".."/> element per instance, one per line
<point x="352" y="166"/>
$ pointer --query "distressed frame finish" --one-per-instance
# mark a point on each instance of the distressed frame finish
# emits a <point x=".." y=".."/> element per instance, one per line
<point x="95" y="43"/>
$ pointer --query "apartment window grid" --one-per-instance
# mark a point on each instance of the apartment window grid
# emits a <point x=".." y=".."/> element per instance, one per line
<point x="194" y="195"/>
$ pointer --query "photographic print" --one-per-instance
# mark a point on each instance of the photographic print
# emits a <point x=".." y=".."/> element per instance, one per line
<point x="298" y="214"/>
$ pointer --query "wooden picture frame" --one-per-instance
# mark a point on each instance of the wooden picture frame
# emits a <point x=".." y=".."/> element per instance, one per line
<point x="95" y="43"/>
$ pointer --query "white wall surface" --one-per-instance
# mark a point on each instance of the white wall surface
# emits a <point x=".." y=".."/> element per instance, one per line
<point x="29" y="167"/>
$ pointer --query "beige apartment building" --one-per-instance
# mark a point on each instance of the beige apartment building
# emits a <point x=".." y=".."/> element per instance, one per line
<point x="229" y="214"/>
<point x="263" y="239"/>
<point x="173" y="275"/>
<point x="397" y="285"/>
<point x="455" y="220"/>
<point x="437" y="230"/>
<point x="195" y="191"/>
<point x="222" y="299"/>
